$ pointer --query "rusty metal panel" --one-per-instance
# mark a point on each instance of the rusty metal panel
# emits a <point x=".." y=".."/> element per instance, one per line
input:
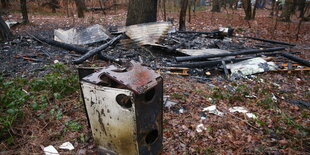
<point x="113" y="126"/>
<point x="135" y="77"/>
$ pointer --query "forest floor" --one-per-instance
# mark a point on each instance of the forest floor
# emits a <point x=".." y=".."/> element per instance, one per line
<point x="48" y="109"/>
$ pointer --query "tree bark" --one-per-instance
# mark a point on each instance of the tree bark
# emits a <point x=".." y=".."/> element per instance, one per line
<point x="141" y="11"/>
<point x="182" y="19"/>
<point x="247" y="9"/>
<point x="80" y="8"/>
<point x="23" y="7"/>
<point x="5" y="33"/>
<point x="216" y="6"/>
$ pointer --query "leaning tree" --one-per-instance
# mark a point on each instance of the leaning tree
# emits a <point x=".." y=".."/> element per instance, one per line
<point x="141" y="11"/>
<point x="5" y="32"/>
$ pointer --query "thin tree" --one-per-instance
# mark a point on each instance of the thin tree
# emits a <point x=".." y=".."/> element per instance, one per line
<point x="287" y="10"/>
<point x="54" y="5"/>
<point x="254" y="9"/>
<point x="80" y="8"/>
<point x="5" y="33"/>
<point x="247" y="9"/>
<point x="141" y="11"/>
<point x="23" y="7"/>
<point x="216" y="6"/>
<point x="164" y="7"/>
<point x="182" y="19"/>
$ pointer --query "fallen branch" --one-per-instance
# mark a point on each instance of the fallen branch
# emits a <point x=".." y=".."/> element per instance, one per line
<point x="96" y="50"/>
<point x="297" y="59"/>
<point x="65" y="46"/>
<point x="243" y="52"/>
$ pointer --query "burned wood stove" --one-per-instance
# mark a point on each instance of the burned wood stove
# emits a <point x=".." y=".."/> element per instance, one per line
<point x="124" y="107"/>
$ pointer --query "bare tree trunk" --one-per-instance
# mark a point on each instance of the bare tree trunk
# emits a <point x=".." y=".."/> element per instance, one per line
<point x="101" y="7"/>
<point x="273" y="7"/>
<point x="165" y="13"/>
<point x="182" y="19"/>
<point x="254" y="9"/>
<point x="301" y="8"/>
<point x="141" y="11"/>
<point x="189" y="10"/>
<point x="80" y="8"/>
<point x="287" y="10"/>
<point x="194" y="9"/>
<point x="216" y="6"/>
<point x="23" y="7"/>
<point x="5" y="33"/>
<point x="247" y="9"/>
<point x="54" y="5"/>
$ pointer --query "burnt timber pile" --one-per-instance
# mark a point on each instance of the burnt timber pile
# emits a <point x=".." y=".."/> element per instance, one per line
<point x="164" y="49"/>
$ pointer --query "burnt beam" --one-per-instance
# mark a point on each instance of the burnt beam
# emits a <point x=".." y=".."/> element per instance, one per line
<point x="297" y="59"/>
<point x="97" y="50"/>
<point x="65" y="46"/>
<point x="271" y="41"/>
<point x="243" y="52"/>
<point x="208" y="64"/>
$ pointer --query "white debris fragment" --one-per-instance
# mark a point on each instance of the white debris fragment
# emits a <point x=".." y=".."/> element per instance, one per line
<point x="89" y="35"/>
<point x="274" y="98"/>
<point x="66" y="146"/>
<point x="212" y="110"/>
<point x="251" y="66"/>
<point x="238" y="109"/>
<point x="242" y="110"/>
<point x="56" y="61"/>
<point x="181" y="111"/>
<point x="200" y="128"/>
<point x="203" y="118"/>
<point x="250" y="96"/>
<point x="251" y="115"/>
<point x="170" y="103"/>
<point x="50" y="150"/>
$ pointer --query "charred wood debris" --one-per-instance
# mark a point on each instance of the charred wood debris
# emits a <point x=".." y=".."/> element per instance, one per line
<point x="190" y="53"/>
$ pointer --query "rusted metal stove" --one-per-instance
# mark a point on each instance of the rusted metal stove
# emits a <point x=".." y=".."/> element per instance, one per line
<point x="124" y="107"/>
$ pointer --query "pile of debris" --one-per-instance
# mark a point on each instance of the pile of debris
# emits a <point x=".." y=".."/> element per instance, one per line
<point x="159" y="46"/>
